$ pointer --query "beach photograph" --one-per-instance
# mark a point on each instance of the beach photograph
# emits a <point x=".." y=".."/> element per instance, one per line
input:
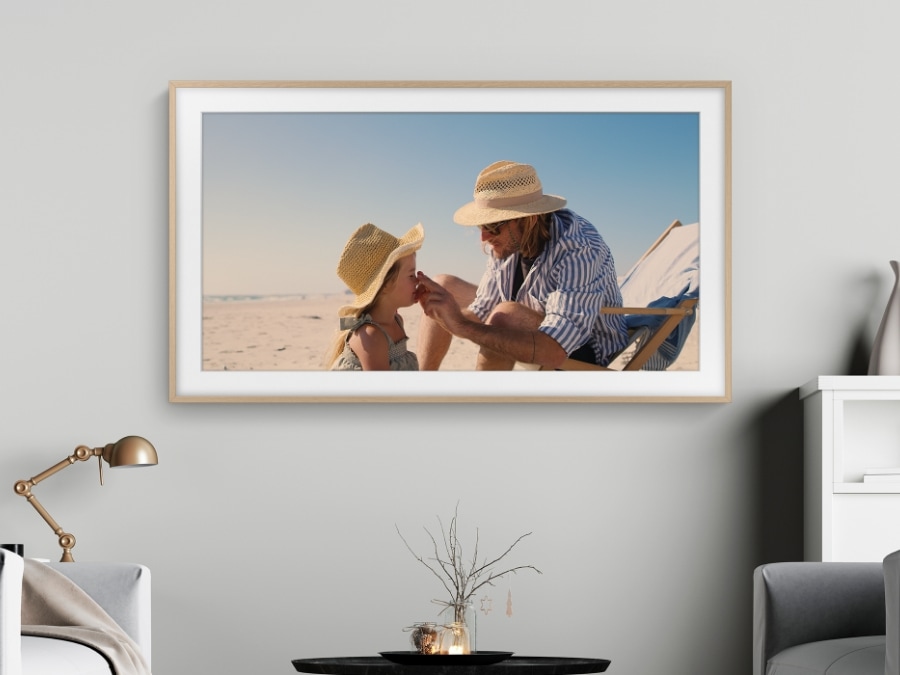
<point x="282" y="192"/>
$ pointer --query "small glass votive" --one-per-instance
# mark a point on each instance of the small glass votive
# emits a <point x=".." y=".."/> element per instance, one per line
<point x="455" y="639"/>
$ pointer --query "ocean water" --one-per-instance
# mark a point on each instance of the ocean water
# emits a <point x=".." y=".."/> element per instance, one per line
<point x="269" y="297"/>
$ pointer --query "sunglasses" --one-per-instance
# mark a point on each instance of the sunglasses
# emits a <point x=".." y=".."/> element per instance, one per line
<point x="493" y="229"/>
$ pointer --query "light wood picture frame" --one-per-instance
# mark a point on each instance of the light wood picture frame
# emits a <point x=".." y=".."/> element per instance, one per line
<point x="269" y="178"/>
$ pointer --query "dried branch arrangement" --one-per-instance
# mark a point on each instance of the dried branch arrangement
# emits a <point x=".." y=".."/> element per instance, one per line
<point x="461" y="579"/>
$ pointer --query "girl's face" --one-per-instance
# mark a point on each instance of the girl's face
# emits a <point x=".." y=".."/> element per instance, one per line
<point x="401" y="292"/>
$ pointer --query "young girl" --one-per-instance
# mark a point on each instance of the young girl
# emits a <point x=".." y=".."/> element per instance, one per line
<point x="381" y="271"/>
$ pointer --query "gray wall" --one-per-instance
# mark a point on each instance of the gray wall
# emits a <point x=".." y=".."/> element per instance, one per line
<point x="270" y="528"/>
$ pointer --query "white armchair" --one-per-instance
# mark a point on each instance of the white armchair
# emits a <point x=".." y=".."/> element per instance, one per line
<point x="121" y="589"/>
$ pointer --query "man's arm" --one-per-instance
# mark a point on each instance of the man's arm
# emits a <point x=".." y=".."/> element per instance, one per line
<point x="512" y="335"/>
<point x="515" y="344"/>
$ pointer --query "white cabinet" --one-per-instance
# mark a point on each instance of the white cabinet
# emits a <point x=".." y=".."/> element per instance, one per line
<point x="851" y="427"/>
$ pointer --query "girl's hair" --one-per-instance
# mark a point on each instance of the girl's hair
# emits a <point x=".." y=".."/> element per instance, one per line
<point x="337" y="343"/>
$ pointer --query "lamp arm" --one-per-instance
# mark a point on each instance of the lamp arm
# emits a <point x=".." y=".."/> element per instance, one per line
<point x="23" y="487"/>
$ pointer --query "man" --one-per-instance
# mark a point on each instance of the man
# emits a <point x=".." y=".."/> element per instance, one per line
<point x="539" y="301"/>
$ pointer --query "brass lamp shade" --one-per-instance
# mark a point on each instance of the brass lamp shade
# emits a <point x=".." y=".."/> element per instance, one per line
<point x="128" y="451"/>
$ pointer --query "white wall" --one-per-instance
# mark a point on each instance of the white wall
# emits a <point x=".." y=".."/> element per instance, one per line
<point x="270" y="528"/>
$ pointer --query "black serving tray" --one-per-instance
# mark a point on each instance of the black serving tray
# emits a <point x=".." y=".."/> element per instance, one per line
<point x="473" y="659"/>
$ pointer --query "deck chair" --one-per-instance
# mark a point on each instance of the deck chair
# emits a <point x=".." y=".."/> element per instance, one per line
<point x="659" y="296"/>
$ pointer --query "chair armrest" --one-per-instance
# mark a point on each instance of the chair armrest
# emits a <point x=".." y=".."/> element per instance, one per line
<point x="121" y="589"/>
<point x="12" y="568"/>
<point x="892" y="613"/>
<point x="685" y="308"/>
<point x="799" y="602"/>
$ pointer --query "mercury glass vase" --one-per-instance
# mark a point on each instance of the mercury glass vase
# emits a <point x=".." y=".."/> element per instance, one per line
<point x="425" y="638"/>
<point x="885" y="358"/>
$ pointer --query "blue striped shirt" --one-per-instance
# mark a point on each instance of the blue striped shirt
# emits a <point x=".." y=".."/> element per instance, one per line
<point x="572" y="278"/>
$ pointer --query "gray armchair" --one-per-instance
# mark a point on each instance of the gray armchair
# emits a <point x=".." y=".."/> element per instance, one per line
<point x="834" y="617"/>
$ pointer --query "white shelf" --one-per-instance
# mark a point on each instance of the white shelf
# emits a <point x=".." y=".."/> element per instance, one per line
<point x="867" y="488"/>
<point x="851" y="424"/>
<point x="862" y="386"/>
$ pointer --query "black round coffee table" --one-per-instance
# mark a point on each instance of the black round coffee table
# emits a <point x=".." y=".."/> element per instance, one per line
<point x="515" y="665"/>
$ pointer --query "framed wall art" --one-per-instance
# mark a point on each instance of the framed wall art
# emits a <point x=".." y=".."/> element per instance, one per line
<point x="269" y="179"/>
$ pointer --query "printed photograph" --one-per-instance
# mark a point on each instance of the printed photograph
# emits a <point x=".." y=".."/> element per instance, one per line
<point x="289" y="275"/>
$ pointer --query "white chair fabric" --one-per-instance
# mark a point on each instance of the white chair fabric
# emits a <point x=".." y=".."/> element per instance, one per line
<point x="11" y="569"/>
<point x="665" y="276"/>
<point x="121" y="589"/>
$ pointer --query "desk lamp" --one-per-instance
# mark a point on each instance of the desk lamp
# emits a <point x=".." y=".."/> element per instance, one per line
<point x="128" y="451"/>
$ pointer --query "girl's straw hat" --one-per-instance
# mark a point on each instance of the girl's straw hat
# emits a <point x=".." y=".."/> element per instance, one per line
<point x="367" y="257"/>
<point x="507" y="190"/>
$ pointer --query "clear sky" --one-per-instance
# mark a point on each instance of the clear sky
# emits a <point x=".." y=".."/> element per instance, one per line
<point x="282" y="192"/>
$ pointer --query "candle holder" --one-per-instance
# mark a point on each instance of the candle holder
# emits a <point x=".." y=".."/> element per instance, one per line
<point x="455" y="639"/>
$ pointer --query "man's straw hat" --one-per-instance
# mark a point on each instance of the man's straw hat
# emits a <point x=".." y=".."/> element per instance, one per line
<point x="507" y="190"/>
<point x="367" y="257"/>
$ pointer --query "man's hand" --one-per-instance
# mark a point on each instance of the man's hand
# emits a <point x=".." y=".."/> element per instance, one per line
<point x="439" y="304"/>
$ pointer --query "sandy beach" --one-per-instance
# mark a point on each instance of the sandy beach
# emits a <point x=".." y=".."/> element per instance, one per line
<point x="294" y="333"/>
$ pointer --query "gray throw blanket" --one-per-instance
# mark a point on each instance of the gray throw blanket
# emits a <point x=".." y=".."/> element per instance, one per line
<point x="54" y="606"/>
